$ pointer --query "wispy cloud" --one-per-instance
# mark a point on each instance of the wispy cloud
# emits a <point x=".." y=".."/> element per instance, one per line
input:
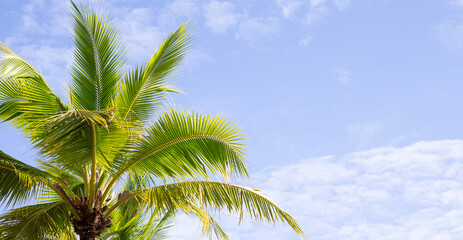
<point x="450" y="34"/>
<point x="305" y="41"/>
<point x="343" y="76"/>
<point x="458" y="3"/>
<point x="258" y="29"/>
<point x="220" y="16"/>
<point x="311" y="12"/>
<point x="342" y="4"/>
<point x="289" y="7"/>
<point x="142" y="35"/>
<point x="411" y="192"/>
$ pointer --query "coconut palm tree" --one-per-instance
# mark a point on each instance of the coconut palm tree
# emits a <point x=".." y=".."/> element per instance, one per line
<point x="112" y="163"/>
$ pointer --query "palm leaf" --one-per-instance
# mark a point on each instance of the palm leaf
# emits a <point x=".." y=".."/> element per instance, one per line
<point x="39" y="221"/>
<point x="25" y="98"/>
<point x="67" y="139"/>
<point x="144" y="87"/>
<point x="218" y="196"/>
<point x="18" y="181"/>
<point x="158" y="228"/>
<point x="98" y="60"/>
<point x="183" y="144"/>
<point x="210" y="226"/>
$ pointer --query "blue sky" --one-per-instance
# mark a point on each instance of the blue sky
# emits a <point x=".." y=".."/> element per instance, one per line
<point x="353" y="108"/>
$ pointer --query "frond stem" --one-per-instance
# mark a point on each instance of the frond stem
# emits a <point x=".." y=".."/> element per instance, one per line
<point x="121" y="201"/>
<point x="65" y="198"/>
<point x="91" y="190"/>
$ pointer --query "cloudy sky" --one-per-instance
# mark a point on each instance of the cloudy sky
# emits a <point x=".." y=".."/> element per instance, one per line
<point x="353" y="109"/>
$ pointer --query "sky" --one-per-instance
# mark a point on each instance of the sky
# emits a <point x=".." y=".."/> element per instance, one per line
<point x="352" y="108"/>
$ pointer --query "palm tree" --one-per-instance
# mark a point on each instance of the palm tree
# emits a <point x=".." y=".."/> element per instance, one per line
<point x="112" y="163"/>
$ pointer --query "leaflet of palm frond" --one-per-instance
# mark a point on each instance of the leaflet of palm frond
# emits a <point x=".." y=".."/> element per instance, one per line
<point x="18" y="181"/>
<point x="39" y="221"/>
<point x="144" y="87"/>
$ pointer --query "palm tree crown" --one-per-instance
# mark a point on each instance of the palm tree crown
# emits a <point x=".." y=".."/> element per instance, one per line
<point x="107" y="169"/>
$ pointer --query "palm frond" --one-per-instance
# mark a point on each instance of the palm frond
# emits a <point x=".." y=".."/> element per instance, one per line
<point x="99" y="57"/>
<point x="39" y="221"/>
<point x="183" y="144"/>
<point x="218" y="196"/>
<point x="210" y="226"/>
<point x="67" y="139"/>
<point x="13" y="66"/>
<point x="131" y="221"/>
<point x="158" y="226"/>
<point x="25" y="98"/>
<point x="145" y="86"/>
<point x="18" y="181"/>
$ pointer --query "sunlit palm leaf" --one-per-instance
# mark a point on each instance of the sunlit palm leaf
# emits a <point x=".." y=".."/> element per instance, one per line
<point x="210" y="226"/>
<point x="131" y="221"/>
<point x="98" y="60"/>
<point x="67" y="138"/>
<point x="24" y="95"/>
<point x="181" y="145"/>
<point x="39" y="221"/>
<point x="220" y="196"/>
<point x="144" y="87"/>
<point x="18" y="181"/>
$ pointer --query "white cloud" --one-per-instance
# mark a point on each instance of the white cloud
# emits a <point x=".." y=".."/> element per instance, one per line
<point x="51" y="61"/>
<point x="343" y="76"/>
<point x="188" y="8"/>
<point x="458" y="3"/>
<point x="258" y="29"/>
<point x="315" y="15"/>
<point x="54" y="22"/>
<point x="313" y="11"/>
<point x="317" y="3"/>
<point x="342" y="4"/>
<point x="305" y="41"/>
<point x="450" y="34"/>
<point x="289" y="7"/>
<point x="196" y="57"/>
<point x="142" y="36"/>
<point x="220" y="16"/>
<point x="178" y="11"/>
<point x="412" y="192"/>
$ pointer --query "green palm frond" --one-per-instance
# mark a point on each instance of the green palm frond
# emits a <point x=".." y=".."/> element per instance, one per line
<point x="18" y="181"/>
<point x="99" y="57"/>
<point x="13" y="66"/>
<point x="69" y="178"/>
<point x="162" y="224"/>
<point x="131" y="221"/>
<point x="25" y="98"/>
<point x="210" y="226"/>
<point x="141" y="228"/>
<point x="67" y="138"/>
<point x="184" y="144"/>
<point x="218" y="196"/>
<point x="39" y="221"/>
<point x="144" y="87"/>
